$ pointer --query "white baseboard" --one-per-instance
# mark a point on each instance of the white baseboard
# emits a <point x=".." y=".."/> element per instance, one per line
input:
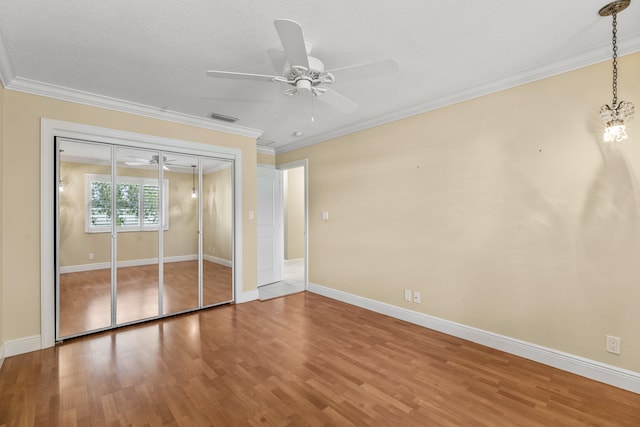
<point x="612" y="375"/>
<point x="217" y="260"/>
<point x="247" y="296"/>
<point x="129" y="263"/>
<point x="22" y="345"/>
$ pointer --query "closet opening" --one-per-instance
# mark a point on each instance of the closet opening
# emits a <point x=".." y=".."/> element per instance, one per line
<point x="141" y="233"/>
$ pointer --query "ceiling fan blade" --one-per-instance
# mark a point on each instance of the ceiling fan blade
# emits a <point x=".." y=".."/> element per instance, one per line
<point x="240" y="76"/>
<point x="337" y="101"/>
<point x="137" y="159"/>
<point x="292" y="40"/>
<point x="387" y="67"/>
<point x="137" y="163"/>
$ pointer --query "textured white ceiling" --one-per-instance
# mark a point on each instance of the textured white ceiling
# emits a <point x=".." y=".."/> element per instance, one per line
<point x="155" y="53"/>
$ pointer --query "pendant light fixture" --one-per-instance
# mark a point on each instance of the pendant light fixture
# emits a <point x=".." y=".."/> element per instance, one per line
<point x="615" y="115"/>
<point x="60" y="181"/>
<point x="194" y="195"/>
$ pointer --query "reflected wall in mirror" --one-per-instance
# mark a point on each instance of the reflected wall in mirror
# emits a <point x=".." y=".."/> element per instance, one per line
<point x="84" y="258"/>
<point x="180" y="242"/>
<point x="139" y="216"/>
<point x="217" y="231"/>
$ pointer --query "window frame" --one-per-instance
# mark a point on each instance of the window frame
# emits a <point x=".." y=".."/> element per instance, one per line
<point x="141" y="182"/>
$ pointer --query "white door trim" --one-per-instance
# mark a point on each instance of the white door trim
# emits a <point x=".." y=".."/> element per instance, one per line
<point x="304" y="163"/>
<point x="49" y="129"/>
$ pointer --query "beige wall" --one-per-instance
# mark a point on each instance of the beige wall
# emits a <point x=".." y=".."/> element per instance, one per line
<point x="21" y="163"/>
<point x="294" y="213"/>
<point x="506" y="212"/>
<point x="266" y="159"/>
<point x="75" y="244"/>
<point x="217" y="214"/>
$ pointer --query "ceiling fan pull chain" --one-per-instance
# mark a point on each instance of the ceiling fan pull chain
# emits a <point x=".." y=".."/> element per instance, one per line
<point x="313" y="119"/>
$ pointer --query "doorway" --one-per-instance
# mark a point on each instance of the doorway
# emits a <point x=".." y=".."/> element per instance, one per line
<point x="288" y="204"/>
<point x="293" y="209"/>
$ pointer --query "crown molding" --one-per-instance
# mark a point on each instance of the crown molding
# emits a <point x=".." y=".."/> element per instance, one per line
<point x="584" y="59"/>
<point x="266" y="150"/>
<point x="33" y="87"/>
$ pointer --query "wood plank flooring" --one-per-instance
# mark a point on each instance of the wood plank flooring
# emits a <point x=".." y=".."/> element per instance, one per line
<point x="300" y="360"/>
<point x="85" y="297"/>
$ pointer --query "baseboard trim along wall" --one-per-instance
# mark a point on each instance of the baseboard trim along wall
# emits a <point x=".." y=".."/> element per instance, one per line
<point x="138" y="262"/>
<point x="22" y="345"/>
<point x="612" y="375"/>
<point x="217" y="260"/>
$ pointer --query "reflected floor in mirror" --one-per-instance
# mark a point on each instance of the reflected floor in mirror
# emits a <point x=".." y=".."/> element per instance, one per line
<point x="85" y="297"/>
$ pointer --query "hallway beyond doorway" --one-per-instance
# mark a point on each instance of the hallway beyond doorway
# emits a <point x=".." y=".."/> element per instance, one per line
<point x="291" y="283"/>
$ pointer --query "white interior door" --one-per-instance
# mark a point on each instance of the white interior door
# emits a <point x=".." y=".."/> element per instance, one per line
<point x="269" y="226"/>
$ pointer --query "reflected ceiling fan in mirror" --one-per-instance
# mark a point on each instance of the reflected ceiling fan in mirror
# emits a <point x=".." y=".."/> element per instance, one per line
<point x="304" y="73"/>
<point x="153" y="161"/>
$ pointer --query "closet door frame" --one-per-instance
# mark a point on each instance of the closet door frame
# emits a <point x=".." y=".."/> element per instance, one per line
<point x="50" y="129"/>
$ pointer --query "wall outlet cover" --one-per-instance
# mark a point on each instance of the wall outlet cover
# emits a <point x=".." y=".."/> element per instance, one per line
<point x="416" y="297"/>
<point x="613" y="344"/>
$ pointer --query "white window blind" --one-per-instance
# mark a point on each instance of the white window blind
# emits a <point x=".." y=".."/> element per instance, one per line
<point x="137" y="204"/>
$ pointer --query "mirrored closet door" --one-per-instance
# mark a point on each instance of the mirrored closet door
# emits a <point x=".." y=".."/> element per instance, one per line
<point x="217" y="217"/>
<point x="137" y="221"/>
<point x="141" y="234"/>
<point x="84" y="238"/>
<point x="181" y="238"/>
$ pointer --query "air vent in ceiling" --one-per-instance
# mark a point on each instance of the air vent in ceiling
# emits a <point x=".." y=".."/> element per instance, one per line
<point x="264" y="142"/>
<point x="222" y="117"/>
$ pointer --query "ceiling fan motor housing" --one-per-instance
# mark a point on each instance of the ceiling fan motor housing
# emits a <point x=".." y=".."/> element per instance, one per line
<point x="303" y="84"/>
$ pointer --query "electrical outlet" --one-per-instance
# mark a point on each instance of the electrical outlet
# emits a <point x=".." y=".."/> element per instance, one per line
<point x="407" y="294"/>
<point x="91" y="256"/>
<point x="416" y="297"/>
<point x="613" y="344"/>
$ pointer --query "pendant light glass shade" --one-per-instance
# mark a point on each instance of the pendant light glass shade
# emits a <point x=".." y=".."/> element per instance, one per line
<point x="194" y="193"/>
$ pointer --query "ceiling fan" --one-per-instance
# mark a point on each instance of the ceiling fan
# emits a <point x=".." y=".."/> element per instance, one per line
<point x="306" y="73"/>
<point x="153" y="161"/>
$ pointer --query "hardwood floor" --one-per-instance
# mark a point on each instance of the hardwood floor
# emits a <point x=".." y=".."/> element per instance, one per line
<point x="300" y="360"/>
<point x="85" y="297"/>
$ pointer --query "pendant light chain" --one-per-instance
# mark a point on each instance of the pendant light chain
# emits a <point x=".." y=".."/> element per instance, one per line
<point x="615" y="60"/>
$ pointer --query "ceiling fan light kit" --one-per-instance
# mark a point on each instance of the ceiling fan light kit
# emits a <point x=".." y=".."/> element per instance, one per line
<point x="306" y="74"/>
<point x="615" y="115"/>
